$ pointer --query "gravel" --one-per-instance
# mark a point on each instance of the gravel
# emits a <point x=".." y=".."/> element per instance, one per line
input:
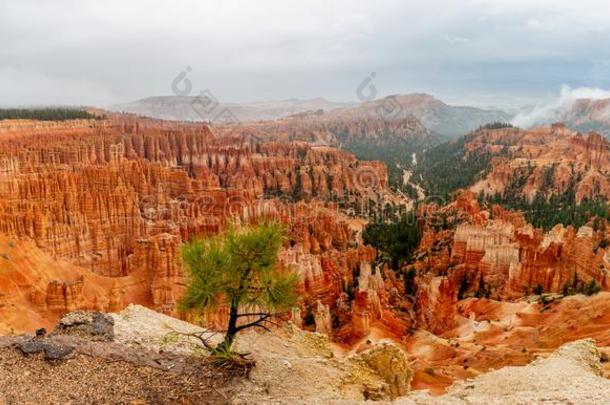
<point x="77" y="364"/>
<point x="90" y="380"/>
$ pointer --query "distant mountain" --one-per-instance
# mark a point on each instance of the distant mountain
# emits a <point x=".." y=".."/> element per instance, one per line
<point x="206" y="107"/>
<point x="434" y="114"/>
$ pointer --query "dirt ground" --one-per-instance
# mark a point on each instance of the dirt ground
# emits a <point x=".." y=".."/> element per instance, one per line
<point x="91" y="379"/>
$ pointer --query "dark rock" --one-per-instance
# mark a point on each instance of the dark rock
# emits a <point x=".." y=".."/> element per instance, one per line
<point x="41" y="332"/>
<point x="52" y="350"/>
<point x="32" y="346"/>
<point x="57" y="352"/>
<point x="88" y="324"/>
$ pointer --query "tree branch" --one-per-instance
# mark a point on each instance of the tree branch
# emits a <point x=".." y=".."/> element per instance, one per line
<point x="254" y="323"/>
<point x="198" y="335"/>
<point x="263" y="327"/>
<point x="255" y="314"/>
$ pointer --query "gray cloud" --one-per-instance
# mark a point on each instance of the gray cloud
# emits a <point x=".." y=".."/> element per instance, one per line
<point x="477" y="51"/>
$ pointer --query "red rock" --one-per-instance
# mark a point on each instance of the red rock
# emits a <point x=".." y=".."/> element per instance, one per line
<point x="531" y="152"/>
<point x="117" y="198"/>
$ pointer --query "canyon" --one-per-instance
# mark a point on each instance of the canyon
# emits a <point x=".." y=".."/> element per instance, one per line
<point x="112" y="201"/>
<point x="304" y="203"/>
<point x="93" y="213"/>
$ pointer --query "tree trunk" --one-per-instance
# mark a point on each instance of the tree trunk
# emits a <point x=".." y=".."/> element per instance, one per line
<point x="231" y="330"/>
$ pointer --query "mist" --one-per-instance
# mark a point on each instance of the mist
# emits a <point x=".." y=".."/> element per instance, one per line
<point x="552" y="111"/>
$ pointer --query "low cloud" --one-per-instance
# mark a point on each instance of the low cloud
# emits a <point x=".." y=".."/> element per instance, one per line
<point x="553" y="111"/>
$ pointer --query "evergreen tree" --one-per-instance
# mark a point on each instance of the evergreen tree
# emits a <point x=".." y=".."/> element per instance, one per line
<point x="239" y="270"/>
<point x="409" y="281"/>
<point x="45" y="114"/>
<point x="395" y="241"/>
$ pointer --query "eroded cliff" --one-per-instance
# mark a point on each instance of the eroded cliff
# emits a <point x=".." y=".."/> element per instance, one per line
<point x="115" y="199"/>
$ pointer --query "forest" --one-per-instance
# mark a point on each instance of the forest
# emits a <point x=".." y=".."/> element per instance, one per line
<point x="45" y="114"/>
<point x="395" y="241"/>
<point x="446" y="168"/>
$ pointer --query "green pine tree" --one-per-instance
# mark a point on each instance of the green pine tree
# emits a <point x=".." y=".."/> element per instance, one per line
<point x="239" y="270"/>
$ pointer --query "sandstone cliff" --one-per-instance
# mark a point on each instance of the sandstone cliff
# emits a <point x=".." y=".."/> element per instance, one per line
<point x="116" y="198"/>
<point x="544" y="161"/>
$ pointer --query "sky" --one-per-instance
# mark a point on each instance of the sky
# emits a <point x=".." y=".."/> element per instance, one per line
<point x="477" y="52"/>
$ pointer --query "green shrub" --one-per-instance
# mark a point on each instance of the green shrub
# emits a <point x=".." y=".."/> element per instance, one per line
<point x="591" y="288"/>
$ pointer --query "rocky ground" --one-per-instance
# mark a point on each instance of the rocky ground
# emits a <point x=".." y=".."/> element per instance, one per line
<point x="292" y="366"/>
<point x="571" y="375"/>
<point x="139" y="356"/>
<point x="84" y="365"/>
<point x="85" y="379"/>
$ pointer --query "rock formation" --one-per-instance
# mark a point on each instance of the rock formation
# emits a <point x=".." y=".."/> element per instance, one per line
<point x="541" y="381"/>
<point x="117" y="197"/>
<point x="92" y="216"/>
<point x="547" y="160"/>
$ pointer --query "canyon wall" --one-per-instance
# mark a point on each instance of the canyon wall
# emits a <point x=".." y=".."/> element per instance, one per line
<point x="493" y="253"/>
<point x="547" y="161"/>
<point x="117" y="197"/>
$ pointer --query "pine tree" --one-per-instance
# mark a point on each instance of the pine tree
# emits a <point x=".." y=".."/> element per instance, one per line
<point x="239" y="270"/>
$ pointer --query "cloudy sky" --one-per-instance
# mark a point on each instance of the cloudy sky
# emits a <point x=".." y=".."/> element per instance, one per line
<point x="480" y="52"/>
